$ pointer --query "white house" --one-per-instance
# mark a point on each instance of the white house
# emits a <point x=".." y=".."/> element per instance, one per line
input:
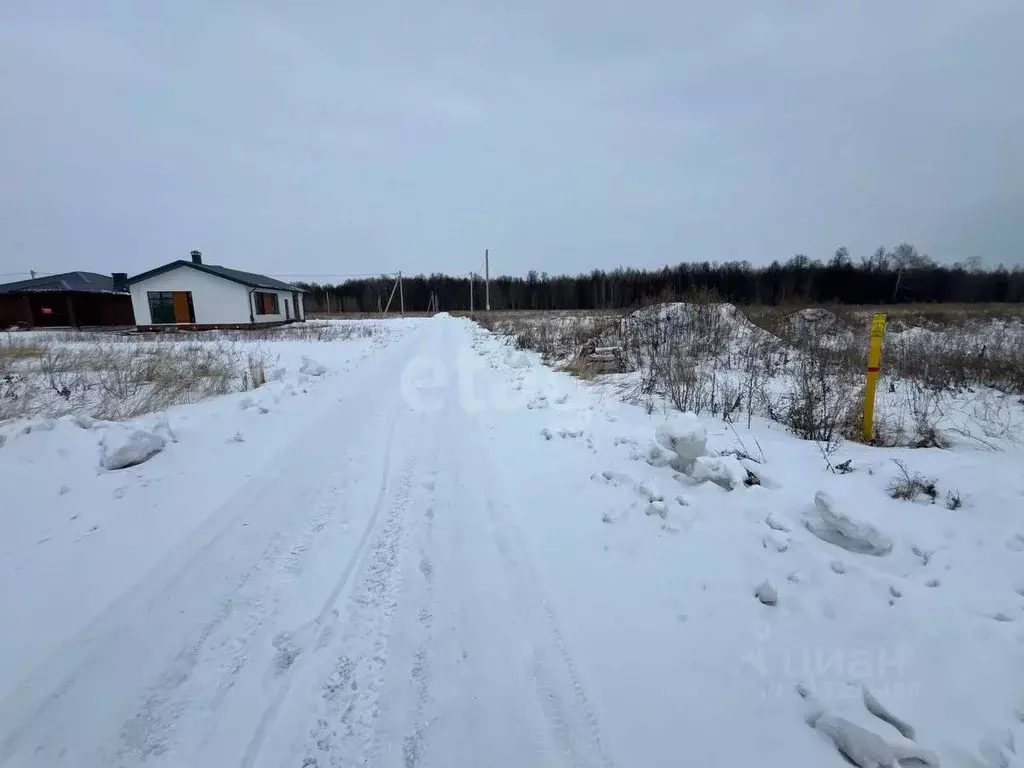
<point x="193" y="295"/>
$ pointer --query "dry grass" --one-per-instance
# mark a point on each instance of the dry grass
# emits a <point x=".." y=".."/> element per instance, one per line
<point x="803" y="369"/>
<point x="313" y="330"/>
<point x="124" y="380"/>
<point x="910" y="486"/>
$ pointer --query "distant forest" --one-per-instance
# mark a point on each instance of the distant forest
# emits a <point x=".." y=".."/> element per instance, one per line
<point x="898" y="276"/>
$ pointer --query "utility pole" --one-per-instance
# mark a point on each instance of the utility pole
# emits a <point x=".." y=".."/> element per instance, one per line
<point x="471" y="276"/>
<point x="328" y="292"/>
<point x="487" y="278"/>
<point x="401" y="294"/>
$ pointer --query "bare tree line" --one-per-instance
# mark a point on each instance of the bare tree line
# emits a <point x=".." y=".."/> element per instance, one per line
<point x="897" y="276"/>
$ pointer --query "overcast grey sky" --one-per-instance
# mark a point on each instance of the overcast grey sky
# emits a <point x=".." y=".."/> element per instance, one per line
<point x="331" y="137"/>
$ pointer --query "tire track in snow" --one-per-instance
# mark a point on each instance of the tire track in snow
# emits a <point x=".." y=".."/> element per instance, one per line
<point x="401" y="730"/>
<point x="225" y="642"/>
<point x="549" y="668"/>
<point x="346" y="710"/>
<point x="376" y="569"/>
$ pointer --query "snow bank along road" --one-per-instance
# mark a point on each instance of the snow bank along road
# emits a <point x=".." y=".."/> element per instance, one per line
<point x="464" y="558"/>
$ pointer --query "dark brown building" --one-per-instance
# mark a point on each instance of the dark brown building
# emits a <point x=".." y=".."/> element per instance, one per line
<point x="73" y="299"/>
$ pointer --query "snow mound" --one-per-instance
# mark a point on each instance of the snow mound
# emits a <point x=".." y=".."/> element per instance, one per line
<point x="160" y="425"/>
<point x="686" y="436"/>
<point x="725" y="471"/>
<point x="766" y="593"/>
<point x="123" y="446"/>
<point x="517" y="359"/>
<point x="829" y="524"/>
<point x="867" y="749"/>
<point x="311" y="367"/>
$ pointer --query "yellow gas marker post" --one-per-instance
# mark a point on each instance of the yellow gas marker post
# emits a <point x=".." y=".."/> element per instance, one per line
<point x="874" y="364"/>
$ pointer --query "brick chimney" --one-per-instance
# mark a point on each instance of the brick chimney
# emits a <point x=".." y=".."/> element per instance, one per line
<point x="120" y="281"/>
<point x="197" y="257"/>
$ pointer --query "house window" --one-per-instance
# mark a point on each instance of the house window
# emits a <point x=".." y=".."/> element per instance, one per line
<point x="167" y="307"/>
<point x="266" y="303"/>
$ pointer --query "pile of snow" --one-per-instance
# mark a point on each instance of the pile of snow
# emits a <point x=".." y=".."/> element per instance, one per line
<point x="685" y="436"/>
<point x="829" y="524"/>
<point x="867" y="749"/>
<point x="725" y="471"/>
<point x="518" y="359"/>
<point x="311" y="367"/>
<point x="124" y="446"/>
<point x="682" y="443"/>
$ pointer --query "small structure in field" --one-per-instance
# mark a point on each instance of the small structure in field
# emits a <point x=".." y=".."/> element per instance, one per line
<point x="593" y="359"/>
<point x="191" y="295"/>
<point x="68" y="300"/>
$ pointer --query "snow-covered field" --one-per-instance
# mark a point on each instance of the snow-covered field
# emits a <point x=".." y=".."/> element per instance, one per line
<point x="431" y="549"/>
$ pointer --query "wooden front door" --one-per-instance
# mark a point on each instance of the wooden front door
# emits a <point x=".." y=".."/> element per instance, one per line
<point x="181" y="313"/>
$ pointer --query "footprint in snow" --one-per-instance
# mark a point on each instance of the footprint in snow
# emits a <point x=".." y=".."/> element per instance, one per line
<point x="776" y="541"/>
<point x="287" y="653"/>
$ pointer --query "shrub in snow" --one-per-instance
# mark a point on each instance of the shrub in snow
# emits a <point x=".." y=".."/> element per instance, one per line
<point x="725" y="471"/>
<point x="122" y="446"/>
<point x="766" y="593"/>
<point x="685" y="436"/>
<point x="829" y="524"/>
<point x="909" y="485"/>
<point x="311" y="367"/>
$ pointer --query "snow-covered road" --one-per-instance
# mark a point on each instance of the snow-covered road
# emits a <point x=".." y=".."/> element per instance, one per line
<point x="446" y="554"/>
<point x="368" y="600"/>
